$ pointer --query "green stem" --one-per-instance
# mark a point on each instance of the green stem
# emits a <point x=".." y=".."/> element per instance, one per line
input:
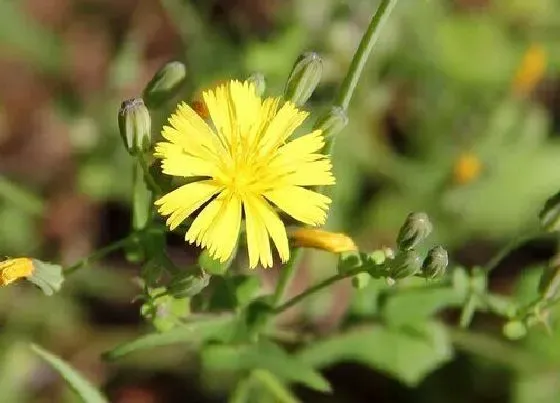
<point x="99" y="254"/>
<point x="362" y="54"/>
<point x="316" y="288"/>
<point x="21" y="197"/>
<point x="467" y="312"/>
<point x="286" y="274"/>
<point x="508" y="248"/>
<point x="150" y="181"/>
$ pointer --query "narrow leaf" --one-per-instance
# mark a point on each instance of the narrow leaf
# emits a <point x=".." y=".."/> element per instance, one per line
<point x="192" y="333"/>
<point x="85" y="390"/>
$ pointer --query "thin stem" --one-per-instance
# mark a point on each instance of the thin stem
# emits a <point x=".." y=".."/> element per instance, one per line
<point x="362" y="54"/>
<point x="150" y="181"/>
<point x="99" y="254"/>
<point x="316" y="288"/>
<point x="508" y="248"/>
<point x="467" y="312"/>
<point x="21" y="197"/>
<point x="286" y="274"/>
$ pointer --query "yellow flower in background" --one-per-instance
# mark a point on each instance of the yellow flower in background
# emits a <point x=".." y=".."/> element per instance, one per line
<point x="467" y="168"/>
<point x="13" y="269"/>
<point x="242" y="163"/>
<point x="334" y="242"/>
<point x="531" y="70"/>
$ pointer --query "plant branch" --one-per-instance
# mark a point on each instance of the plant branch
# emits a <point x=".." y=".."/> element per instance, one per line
<point x="364" y="49"/>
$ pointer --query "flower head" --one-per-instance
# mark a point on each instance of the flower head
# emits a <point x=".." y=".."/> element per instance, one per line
<point x="242" y="164"/>
<point x="13" y="269"/>
<point x="531" y="70"/>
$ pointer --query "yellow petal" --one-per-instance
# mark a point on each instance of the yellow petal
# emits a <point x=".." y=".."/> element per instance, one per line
<point x="315" y="173"/>
<point x="302" y="204"/>
<point x="274" y="226"/>
<point x="335" y="242"/>
<point x="13" y="269"/>
<point x="176" y="163"/>
<point x="182" y="202"/>
<point x="258" y="243"/>
<point x="222" y="235"/>
<point x="281" y="127"/>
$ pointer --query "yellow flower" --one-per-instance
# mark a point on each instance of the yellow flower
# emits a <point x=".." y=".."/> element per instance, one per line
<point x="467" y="168"/>
<point x="531" y="70"/>
<point x="242" y="164"/>
<point x="13" y="269"/>
<point x="335" y="242"/>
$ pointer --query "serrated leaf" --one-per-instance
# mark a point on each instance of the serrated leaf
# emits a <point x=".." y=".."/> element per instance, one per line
<point x="217" y="328"/>
<point x="85" y="390"/>
<point x="407" y="355"/>
<point x="266" y="356"/>
<point x="418" y="305"/>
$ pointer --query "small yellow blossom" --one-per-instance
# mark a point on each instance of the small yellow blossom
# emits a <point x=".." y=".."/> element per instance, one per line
<point x="243" y="166"/>
<point x="335" y="242"/>
<point x="467" y="168"/>
<point x="531" y="70"/>
<point x="13" y="269"/>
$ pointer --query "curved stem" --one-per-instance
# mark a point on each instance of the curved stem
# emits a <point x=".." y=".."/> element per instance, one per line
<point x="508" y="248"/>
<point x="150" y="181"/>
<point x="316" y="288"/>
<point x="98" y="254"/>
<point x="362" y="54"/>
<point x="286" y="275"/>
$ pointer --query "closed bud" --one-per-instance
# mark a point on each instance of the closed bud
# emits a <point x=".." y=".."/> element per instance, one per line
<point x="405" y="264"/>
<point x="514" y="330"/>
<point x="361" y="281"/>
<point x="550" y="214"/>
<point x="435" y="263"/>
<point x="165" y="84"/>
<point x="257" y="79"/>
<point x="135" y="126"/>
<point x="304" y="78"/>
<point x="332" y="122"/>
<point x="415" y="229"/>
<point x="188" y="285"/>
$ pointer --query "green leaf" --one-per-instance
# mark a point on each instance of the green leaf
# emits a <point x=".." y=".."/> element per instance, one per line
<point x="87" y="392"/>
<point x="414" y="306"/>
<point x="193" y="333"/>
<point x="274" y="386"/>
<point x="265" y="356"/>
<point x="407" y="355"/>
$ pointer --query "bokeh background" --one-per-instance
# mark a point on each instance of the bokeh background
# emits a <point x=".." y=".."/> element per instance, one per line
<point x="457" y="114"/>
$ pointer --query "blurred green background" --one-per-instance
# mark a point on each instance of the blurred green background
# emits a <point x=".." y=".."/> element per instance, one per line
<point x="457" y="115"/>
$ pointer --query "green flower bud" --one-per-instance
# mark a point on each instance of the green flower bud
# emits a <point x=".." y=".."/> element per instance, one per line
<point x="135" y="126"/>
<point x="304" y="78"/>
<point x="550" y="281"/>
<point x="258" y="80"/>
<point x="165" y="84"/>
<point x="188" y="285"/>
<point x="361" y="281"/>
<point x="405" y="264"/>
<point x="332" y="122"/>
<point x="514" y="330"/>
<point x="550" y="214"/>
<point x="415" y="229"/>
<point x="435" y="263"/>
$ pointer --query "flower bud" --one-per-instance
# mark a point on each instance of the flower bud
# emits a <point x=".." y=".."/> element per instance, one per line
<point x="165" y="84"/>
<point x="405" y="264"/>
<point x="550" y="214"/>
<point x="47" y="276"/>
<point x="304" y="78"/>
<point x="415" y="229"/>
<point x="135" y="126"/>
<point x="360" y="281"/>
<point x="334" y="242"/>
<point x="435" y="263"/>
<point x="514" y="330"/>
<point x="257" y="79"/>
<point x="188" y="285"/>
<point x="332" y="122"/>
